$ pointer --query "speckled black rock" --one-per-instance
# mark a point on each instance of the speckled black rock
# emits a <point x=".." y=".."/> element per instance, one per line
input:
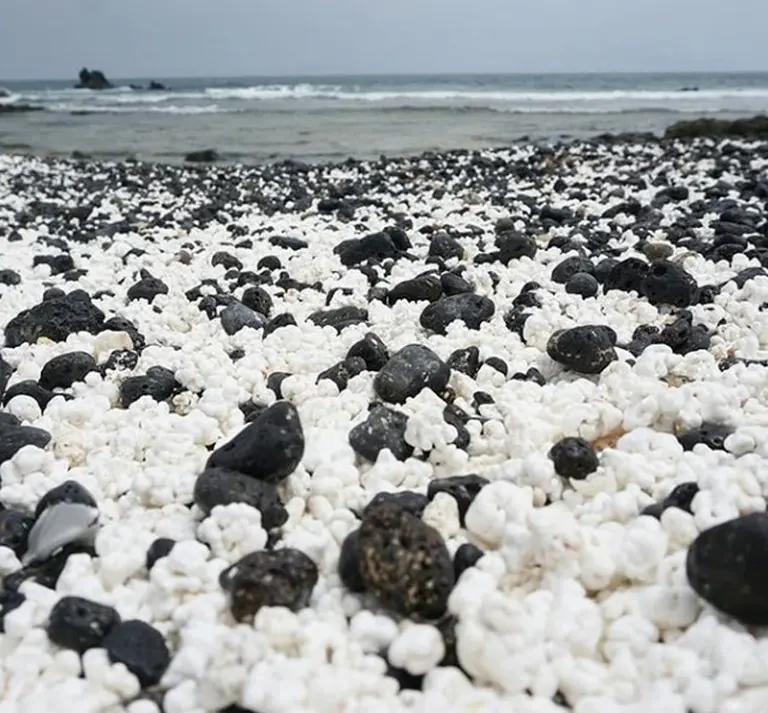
<point x="409" y="370"/>
<point x="565" y="270"/>
<point x="9" y="600"/>
<point x="627" y="275"/>
<point x="574" y="458"/>
<point x="681" y="497"/>
<point x="221" y="486"/>
<point x="147" y="288"/>
<point x="582" y="284"/>
<point x="426" y="288"/>
<point x="64" y="370"/>
<point x="466" y="556"/>
<point x="270" y="448"/>
<point x="14" y="438"/>
<point x="467" y="361"/>
<point x="278" y="578"/>
<point x="668" y="283"/>
<point x="339" y="318"/>
<point x="349" y="563"/>
<point x="587" y="349"/>
<point x="467" y="307"/>
<point x="404" y="563"/>
<point x="463" y="488"/>
<point x="371" y="350"/>
<point x="158" y="383"/>
<point x="341" y="372"/>
<point x="141" y="648"/>
<point x="383" y="428"/>
<point x="29" y="388"/>
<point x="712" y="435"/>
<point x="727" y="565"/>
<point x="55" y="319"/>
<point x="409" y="500"/>
<point x="160" y="548"/>
<point x="14" y="530"/>
<point x="121" y="359"/>
<point x="70" y="491"/>
<point x="80" y="624"/>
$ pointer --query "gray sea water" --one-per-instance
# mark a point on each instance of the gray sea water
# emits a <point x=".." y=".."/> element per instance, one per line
<point x="257" y="119"/>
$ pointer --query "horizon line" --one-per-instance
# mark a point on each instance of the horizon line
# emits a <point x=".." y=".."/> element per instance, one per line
<point x="322" y="75"/>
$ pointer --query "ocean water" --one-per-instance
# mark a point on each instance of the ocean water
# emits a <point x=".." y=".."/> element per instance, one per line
<point x="257" y="119"/>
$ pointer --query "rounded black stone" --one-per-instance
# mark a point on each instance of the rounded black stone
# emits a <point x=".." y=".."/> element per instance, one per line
<point x="462" y="488"/>
<point x="582" y="284"/>
<point x="588" y="349"/>
<point x="160" y="548"/>
<point x="574" y="458"/>
<point x="158" y="383"/>
<point x="467" y="307"/>
<point x="269" y="262"/>
<point x="141" y="648"/>
<point x="498" y="364"/>
<point x="681" y="497"/>
<point x="454" y="284"/>
<point x="80" y="624"/>
<point x="512" y="245"/>
<point x="627" y="275"/>
<point x="422" y="288"/>
<point x="70" y="491"/>
<point x="341" y="372"/>
<point x="147" y="288"/>
<point x="226" y="260"/>
<point x="221" y="486"/>
<point x="408" y="371"/>
<point x="270" y="448"/>
<point x="444" y="246"/>
<point x="14" y="438"/>
<point x="29" y="388"/>
<point x="64" y="370"/>
<point x="371" y="350"/>
<point x="258" y="299"/>
<point x="237" y="316"/>
<point x="384" y="428"/>
<point x="466" y="556"/>
<point x="349" y="563"/>
<point x="409" y="500"/>
<point x="565" y="270"/>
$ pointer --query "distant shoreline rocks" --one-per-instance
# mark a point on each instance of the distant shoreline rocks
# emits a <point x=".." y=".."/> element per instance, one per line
<point x="95" y="79"/>
<point x="755" y="127"/>
<point x="19" y="108"/>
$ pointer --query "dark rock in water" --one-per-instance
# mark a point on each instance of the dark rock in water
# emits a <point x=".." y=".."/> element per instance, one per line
<point x="565" y="270"/>
<point x="627" y="275"/>
<point x="409" y="500"/>
<point x="727" y="565"/>
<point x="470" y="308"/>
<point x="712" y="435"/>
<point x="513" y="246"/>
<point x="258" y="299"/>
<point x="371" y="350"/>
<point x="158" y="383"/>
<point x="383" y="428"/>
<point x="278" y="322"/>
<point x="220" y="486"/>
<point x="445" y="247"/>
<point x="409" y="370"/>
<point x="752" y="128"/>
<point x="269" y="449"/>
<point x="64" y="370"/>
<point x="339" y="318"/>
<point x="160" y="548"/>
<point x="574" y="458"/>
<point x="147" y="288"/>
<point x="70" y="491"/>
<point x="14" y="530"/>
<point x="14" y="438"/>
<point x="582" y="284"/>
<point x="404" y="563"/>
<point x="80" y="624"/>
<point x="202" y="156"/>
<point x="462" y="488"/>
<point x="154" y="86"/>
<point x="343" y="371"/>
<point x="467" y="361"/>
<point x="667" y="283"/>
<point x="92" y="79"/>
<point x="237" y="316"/>
<point x="588" y="349"/>
<point x="141" y="648"/>
<point x="423" y="288"/>
<point x="32" y="389"/>
<point x="349" y="563"/>
<point x="468" y="555"/>
<point x="277" y="578"/>
<point x="55" y="319"/>
<point x="6" y="108"/>
<point x="9" y="277"/>
<point x="9" y="600"/>
<point x="121" y="359"/>
<point x="681" y="497"/>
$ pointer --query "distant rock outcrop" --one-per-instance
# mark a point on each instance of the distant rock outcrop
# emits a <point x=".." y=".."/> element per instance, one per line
<point x="18" y="108"/>
<point x="753" y="128"/>
<point x="92" y="79"/>
<point x="204" y="156"/>
<point x="157" y="86"/>
<point x="4" y="93"/>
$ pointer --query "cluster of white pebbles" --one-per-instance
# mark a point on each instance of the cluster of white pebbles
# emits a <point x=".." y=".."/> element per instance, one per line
<point x="579" y="602"/>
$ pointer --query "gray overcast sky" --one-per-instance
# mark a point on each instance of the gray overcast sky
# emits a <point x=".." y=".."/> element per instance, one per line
<point x="167" y="38"/>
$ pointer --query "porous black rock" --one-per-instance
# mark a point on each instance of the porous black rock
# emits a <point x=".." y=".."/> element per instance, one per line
<point x="160" y="548"/>
<point x="383" y="428"/>
<point x="55" y="319"/>
<point x="371" y="350"/>
<point x="408" y="371"/>
<point x="512" y="245"/>
<point x="462" y="488"/>
<point x="158" y="383"/>
<point x="277" y="578"/>
<point x="470" y="308"/>
<point x="404" y="563"/>
<point x="141" y="648"/>
<point x="14" y="438"/>
<point x="270" y="448"/>
<point x="80" y="624"/>
<point x="349" y="563"/>
<point x="221" y="486"/>
<point x="445" y="247"/>
<point x="626" y="276"/>
<point x="666" y="282"/>
<point x="681" y="497"/>
<point x="62" y="371"/>
<point x="258" y="299"/>
<point x="712" y="435"/>
<point x="409" y="500"/>
<point x="727" y="566"/>
<point x="466" y="360"/>
<point x="574" y="458"/>
<point x="587" y="349"/>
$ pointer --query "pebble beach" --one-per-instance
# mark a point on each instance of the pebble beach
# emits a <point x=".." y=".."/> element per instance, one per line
<point x="473" y="430"/>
